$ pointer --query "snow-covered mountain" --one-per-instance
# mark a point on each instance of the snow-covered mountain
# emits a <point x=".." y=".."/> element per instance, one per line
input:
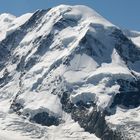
<point x="68" y="73"/>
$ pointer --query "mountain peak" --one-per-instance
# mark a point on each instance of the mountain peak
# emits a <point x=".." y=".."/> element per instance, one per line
<point x="82" y="12"/>
<point x="71" y="71"/>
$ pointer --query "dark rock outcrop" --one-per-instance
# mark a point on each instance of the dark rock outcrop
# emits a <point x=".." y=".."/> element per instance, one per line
<point x="93" y="121"/>
<point x="45" y="119"/>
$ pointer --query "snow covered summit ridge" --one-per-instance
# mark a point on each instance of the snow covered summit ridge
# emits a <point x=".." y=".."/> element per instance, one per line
<point x="84" y="13"/>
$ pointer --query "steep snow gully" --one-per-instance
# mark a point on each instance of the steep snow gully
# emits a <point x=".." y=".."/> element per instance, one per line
<point x="68" y="73"/>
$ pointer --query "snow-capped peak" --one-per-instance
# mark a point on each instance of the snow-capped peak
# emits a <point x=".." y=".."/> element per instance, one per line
<point x="66" y="73"/>
<point x="84" y="13"/>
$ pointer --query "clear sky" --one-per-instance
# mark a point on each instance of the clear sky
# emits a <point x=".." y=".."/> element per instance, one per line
<point x="124" y="13"/>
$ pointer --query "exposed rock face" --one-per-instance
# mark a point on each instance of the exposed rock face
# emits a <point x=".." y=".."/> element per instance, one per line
<point x="65" y="69"/>
<point x="45" y="119"/>
<point x="127" y="99"/>
<point x="92" y="121"/>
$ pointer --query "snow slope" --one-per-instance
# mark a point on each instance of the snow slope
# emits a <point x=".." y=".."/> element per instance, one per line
<point x="9" y="23"/>
<point x="67" y="73"/>
<point x="134" y="36"/>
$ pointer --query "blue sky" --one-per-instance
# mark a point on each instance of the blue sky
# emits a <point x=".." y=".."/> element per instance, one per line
<point x="124" y="13"/>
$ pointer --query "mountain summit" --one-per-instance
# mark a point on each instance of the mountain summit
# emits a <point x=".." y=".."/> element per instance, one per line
<point x="68" y="73"/>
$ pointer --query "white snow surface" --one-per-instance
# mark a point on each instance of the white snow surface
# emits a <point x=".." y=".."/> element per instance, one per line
<point x="9" y="23"/>
<point x="90" y="78"/>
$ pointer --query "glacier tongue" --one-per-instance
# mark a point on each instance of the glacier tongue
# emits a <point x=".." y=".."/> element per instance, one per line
<point x="67" y="73"/>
